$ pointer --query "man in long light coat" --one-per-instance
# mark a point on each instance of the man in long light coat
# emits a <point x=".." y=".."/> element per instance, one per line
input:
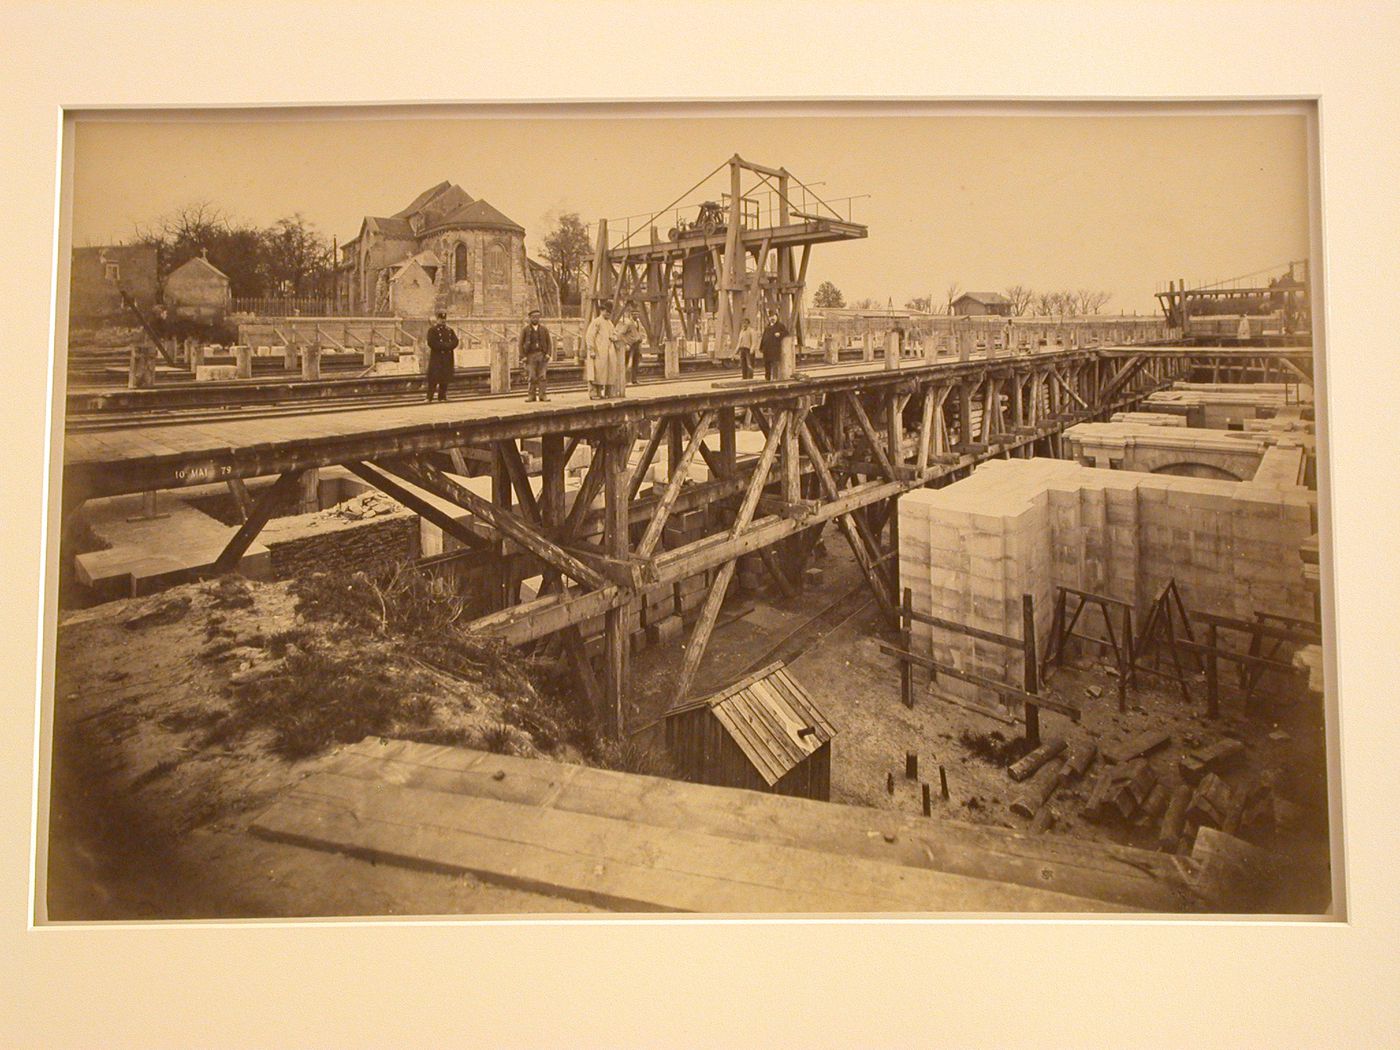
<point x="602" y="361"/>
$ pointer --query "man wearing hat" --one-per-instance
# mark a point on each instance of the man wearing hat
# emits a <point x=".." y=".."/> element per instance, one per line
<point x="442" y="340"/>
<point x="599" y="351"/>
<point x="534" y="348"/>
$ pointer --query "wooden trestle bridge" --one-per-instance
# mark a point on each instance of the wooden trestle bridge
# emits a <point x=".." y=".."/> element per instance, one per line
<point x="843" y="441"/>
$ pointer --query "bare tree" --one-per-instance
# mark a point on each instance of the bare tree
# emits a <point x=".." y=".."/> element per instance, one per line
<point x="919" y="303"/>
<point x="201" y="228"/>
<point x="954" y="290"/>
<point x="1045" y="303"/>
<point x="1096" y="301"/>
<point x="1020" y="297"/>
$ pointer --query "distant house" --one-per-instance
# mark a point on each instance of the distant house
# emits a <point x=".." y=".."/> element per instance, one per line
<point x="197" y="290"/>
<point x="982" y="304"/>
<point x="98" y="274"/>
<point x="763" y="733"/>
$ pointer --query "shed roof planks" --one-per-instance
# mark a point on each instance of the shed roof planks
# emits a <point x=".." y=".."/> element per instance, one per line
<point x="766" y="714"/>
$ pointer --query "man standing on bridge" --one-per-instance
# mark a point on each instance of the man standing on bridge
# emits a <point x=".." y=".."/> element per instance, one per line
<point x="630" y="334"/>
<point x="602" y="361"/>
<point x="534" y="348"/>
<point x="442" y="340"/>
<point x="744" y="345"/>
<point x="771" y="345"/>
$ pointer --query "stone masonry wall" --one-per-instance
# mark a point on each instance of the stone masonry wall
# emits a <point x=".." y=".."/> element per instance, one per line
<point x="358" y="547"/>
<point x="969" y="551"/>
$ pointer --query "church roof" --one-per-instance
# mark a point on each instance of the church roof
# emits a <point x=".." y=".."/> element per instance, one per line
<point x="423" y="198"/>
<point x="478" y="213"/>
<point x="425" y="259"/>
<point x="390" y="227"/>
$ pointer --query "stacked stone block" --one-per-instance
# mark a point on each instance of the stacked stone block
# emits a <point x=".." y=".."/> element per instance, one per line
<point x="968" y="552"/>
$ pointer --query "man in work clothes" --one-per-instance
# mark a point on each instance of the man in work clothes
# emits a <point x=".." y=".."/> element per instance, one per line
<point x="534" y="348"/>
<point x="631" y="333"/>
<point x="744" y="345"/>
<point x="442" y="340"/>
<point x="600" y="353"/>
<point x="771" y="345"/>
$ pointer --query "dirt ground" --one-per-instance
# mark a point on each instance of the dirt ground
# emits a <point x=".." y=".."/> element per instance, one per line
<point x="151" y="797"/>
<point x="835" y="632"/>
<point x="149" y="808"/>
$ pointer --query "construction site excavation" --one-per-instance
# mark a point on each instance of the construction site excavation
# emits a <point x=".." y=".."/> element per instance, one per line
<point x="620" y="565"/>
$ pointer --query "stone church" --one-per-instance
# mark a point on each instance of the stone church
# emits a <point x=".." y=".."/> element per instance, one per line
<point x="445" y="251"/>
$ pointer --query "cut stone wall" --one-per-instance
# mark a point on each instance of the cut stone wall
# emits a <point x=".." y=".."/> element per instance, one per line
<point x="1151" y="449"/>
<point x="361" y="547"/>
<point x="968" y="552"/>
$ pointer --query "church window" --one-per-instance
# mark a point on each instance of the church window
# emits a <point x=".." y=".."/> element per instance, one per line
<point x="496" y="266"/>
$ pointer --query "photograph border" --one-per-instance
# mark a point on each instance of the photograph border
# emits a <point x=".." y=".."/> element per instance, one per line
<point x="867" y="983"/>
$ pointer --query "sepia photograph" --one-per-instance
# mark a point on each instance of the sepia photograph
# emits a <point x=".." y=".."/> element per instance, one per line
<point x="504" y="512"/>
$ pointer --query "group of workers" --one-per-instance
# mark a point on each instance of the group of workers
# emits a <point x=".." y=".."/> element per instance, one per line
<point x="612" y="352"/>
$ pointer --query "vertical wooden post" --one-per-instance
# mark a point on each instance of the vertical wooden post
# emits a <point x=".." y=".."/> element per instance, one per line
<point x="310" y="363"/>
<point x="911" y="765"/>
<point x="894" y="431"/>
<point x="500" y="366"/>
<point x="728" y="447"/>
<point x="906" y="639"/>
<point x="615" y="541"/>
<point x="1031" y="660"/>
<point x="732" y="261"/>
<point x="501" y="496"/>
<point x="928" y="801"/>
<point x="552" y="479"/>
<point x="141" y="374"/>
<point x="675" y="443"/>
<point x="309" y="501"/>
<point x="891" y="350"/>
<point x="792" y="466"/>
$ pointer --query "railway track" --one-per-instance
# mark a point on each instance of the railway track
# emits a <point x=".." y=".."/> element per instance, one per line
<point x="475" y="390"/>
<point x="299" y="398"/>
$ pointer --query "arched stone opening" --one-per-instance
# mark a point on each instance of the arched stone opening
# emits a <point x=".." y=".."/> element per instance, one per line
<point x="1197" y="470"/>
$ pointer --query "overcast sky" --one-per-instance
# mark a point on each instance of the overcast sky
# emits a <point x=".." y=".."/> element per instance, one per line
<point x="1121" y="203"/>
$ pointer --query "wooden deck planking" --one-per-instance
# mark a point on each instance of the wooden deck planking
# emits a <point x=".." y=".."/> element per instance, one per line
<point x="242" y="434"/>
<point x="620" y="864"/>
<point x="1099" y="873"/>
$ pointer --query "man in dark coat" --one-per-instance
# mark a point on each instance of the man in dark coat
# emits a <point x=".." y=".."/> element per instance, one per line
<point x="442" y="340"/>
<point x="771" y="345"/>
<point x="534" y="350"/>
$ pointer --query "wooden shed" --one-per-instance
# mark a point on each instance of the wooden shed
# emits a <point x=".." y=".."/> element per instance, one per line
<point x="762" y="733"/>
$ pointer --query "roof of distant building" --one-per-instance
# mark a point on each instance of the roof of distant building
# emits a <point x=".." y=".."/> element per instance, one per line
<point x="421" y="201"/>
<point x="477" y="214"/>
<point x="199" y="262"/>
<point x="389" y="227"/>
<point x="983" y="297"/>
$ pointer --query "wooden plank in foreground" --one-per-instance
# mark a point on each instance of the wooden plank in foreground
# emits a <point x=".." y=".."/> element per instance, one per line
<point x="616" y="864"/>
<point x="1095" y="872"/>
